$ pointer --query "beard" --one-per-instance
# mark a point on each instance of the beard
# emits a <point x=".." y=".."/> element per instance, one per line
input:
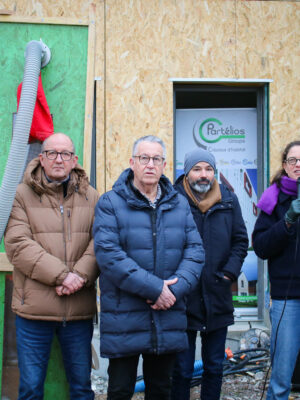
<point x="201" y="185"/>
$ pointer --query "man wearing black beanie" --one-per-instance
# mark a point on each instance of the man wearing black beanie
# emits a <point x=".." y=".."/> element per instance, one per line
<point x="218" y="217"/>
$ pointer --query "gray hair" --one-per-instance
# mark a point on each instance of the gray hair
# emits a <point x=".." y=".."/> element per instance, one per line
<point x="58" y="133"/>
<point x="149" y="138"/>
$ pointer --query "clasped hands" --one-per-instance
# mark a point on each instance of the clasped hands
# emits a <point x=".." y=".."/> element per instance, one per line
<point x="166" y="299"/>
<point x="71" y="284"/>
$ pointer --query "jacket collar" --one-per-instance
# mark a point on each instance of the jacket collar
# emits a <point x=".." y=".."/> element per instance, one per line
<point x="283" y="197"/>
<point x="34" y="177"/>
<point x="124" y="189"/>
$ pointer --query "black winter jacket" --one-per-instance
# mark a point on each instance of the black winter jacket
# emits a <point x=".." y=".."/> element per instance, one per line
<point x="137" y="248"/>
<point x="273" y="241"/>
<point x="225" y="242"/>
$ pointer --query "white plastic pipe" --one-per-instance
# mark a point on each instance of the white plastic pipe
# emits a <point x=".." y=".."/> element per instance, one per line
<point x="37" y="54"/>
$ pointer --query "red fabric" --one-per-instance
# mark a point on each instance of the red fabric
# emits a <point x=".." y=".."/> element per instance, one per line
<point x="42" y="124"/>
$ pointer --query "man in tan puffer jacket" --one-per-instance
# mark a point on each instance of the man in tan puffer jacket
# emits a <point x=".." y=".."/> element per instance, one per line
<point x="49" y="241"/>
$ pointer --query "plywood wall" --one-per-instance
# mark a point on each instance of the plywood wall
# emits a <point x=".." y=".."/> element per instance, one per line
<point x="197" y="39"/>
<point x="140" y="44"/>
<point x="159" y="40"/>
<point x="47" y="8"/>
<point x="268" y="38"/>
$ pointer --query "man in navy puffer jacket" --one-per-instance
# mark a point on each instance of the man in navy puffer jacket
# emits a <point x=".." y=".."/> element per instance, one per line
<point x="150" y="256"/>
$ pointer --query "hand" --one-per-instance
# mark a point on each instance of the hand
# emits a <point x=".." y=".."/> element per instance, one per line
<point x="166" y="299"/>
<point x="60" y="290"/>
<point x="72" y="283"/>
<point x="293" y="212"/>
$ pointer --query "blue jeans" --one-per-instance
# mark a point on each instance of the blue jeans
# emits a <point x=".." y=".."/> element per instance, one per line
<point x="212" y="351"/>
<point x="284" y="353"/>
<point x="34" y="340"/>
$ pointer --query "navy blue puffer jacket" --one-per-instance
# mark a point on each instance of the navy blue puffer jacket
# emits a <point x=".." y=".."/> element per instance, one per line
<point x="137" y="248"/>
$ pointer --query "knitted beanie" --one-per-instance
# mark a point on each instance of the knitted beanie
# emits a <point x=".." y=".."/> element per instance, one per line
<point x="198" y="155"/>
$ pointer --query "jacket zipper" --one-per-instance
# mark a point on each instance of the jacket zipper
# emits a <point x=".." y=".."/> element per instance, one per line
<point x="69" y="224"/>
<point x="63" y="231"/>
<point x="154" y="232"/>
<point x="65" y="251"/>
<point x="154" y="334"/>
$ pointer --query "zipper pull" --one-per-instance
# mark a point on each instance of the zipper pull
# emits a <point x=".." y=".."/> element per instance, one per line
<point x="69" y="224"/>
<point x="61" y="210"/>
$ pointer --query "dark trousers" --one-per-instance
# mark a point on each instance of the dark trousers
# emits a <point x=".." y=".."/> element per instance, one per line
<point x="157" y="371"/>
<point x="213" y="353"/>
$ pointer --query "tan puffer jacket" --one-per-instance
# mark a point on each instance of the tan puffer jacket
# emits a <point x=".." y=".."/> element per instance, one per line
<point x="47" y="236"/>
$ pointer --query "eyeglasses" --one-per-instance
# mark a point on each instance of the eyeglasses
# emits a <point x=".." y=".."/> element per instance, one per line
<point x="292" y="160"/>
<point x="52" y="155"/>
<point x="144" y="160"/>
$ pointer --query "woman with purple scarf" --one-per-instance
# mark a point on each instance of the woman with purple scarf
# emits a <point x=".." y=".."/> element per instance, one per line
<point x="276" y="238"/>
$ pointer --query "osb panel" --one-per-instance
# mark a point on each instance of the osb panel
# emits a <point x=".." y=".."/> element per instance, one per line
<point x="140" y="44"/>
<point x="47" y="8"/>
<point x="100" y="101"/>
<point x="269" y="47"/>
<point x="147" y="42"/>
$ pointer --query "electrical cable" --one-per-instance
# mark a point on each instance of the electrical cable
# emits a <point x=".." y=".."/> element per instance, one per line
<point x="243" y="361"/>
<point x="285" y="300"/>
<point x="254" y="360"/>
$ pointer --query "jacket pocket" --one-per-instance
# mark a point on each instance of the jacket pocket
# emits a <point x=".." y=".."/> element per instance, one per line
<point x="23" y="291"/>
<point x="222" y="296"/>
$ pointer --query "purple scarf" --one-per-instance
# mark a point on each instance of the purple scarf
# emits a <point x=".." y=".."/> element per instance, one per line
<point x="269" y="197"/>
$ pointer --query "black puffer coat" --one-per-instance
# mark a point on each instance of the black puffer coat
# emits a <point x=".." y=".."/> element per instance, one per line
<point x="273" y="241"/>
<point x="225" y="242"/>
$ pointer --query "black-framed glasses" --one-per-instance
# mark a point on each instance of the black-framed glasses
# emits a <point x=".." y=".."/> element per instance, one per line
<point x="52" y="155"/>
<point x="292" y="160"/>
<point x="144" y="159"/>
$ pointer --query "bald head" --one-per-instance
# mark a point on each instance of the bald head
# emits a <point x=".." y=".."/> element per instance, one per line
<point x="57" y="138"/>
<point x="58" y="157"/>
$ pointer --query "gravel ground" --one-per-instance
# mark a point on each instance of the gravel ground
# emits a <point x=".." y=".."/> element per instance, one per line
<point x="235" y="387"/>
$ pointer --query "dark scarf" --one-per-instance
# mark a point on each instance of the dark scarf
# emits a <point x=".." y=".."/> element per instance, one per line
<point x="269" y="197"/>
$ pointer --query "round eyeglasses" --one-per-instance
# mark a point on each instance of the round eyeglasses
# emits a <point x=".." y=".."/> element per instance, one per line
<point x="144" y="159"/>
<point x="292" y="160"/>
<point x="53" y="154"/>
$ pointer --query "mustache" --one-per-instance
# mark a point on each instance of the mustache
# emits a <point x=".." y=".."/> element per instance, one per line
<point x="202" y="181"/>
